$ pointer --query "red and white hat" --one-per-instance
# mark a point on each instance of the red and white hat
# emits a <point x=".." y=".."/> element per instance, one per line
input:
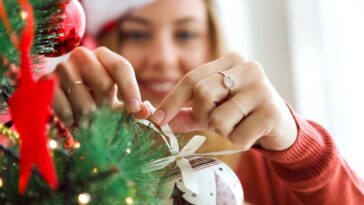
<point x="103" y="12"/>
<point x="100" y="13"/>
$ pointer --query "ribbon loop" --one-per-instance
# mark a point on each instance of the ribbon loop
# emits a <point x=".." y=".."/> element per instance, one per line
<point x="172" y="141"/>
<point x="187" y="175"/>
<point x="177" y="156"/>
<point x="192" y="146"/>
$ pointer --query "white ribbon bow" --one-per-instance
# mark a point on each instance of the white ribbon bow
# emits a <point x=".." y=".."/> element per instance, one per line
<point x="180" y="157"/>
<point x="183" y="164"/>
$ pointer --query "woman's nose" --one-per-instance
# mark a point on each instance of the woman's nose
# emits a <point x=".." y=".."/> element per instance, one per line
<point x="163" y="53"/>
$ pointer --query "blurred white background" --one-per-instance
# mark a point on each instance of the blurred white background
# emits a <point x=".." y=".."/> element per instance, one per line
<point x="313" y="52"/>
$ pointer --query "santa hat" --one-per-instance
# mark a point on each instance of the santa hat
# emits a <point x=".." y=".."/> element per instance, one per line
<point x="103" y="12"/>
<point x="100" y="13"/>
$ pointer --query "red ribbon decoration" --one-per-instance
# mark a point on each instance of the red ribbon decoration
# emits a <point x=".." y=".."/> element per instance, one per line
<point x="30" y="110"/>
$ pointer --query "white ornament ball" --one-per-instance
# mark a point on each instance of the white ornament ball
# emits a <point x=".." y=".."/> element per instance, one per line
<point x="217" y="184"/>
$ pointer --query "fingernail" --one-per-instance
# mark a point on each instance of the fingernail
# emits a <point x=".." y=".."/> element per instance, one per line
<point x="158" y="117"/>
<point x="142" y="114"/>
<point x="133" y="105"/>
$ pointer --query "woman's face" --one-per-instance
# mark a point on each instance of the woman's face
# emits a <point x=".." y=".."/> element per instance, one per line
<point x="163" y="41"/>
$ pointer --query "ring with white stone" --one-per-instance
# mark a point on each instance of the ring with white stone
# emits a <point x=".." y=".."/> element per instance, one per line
<point x="228" y="81"/>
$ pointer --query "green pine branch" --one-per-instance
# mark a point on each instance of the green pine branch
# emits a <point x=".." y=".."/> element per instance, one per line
<point x="108" y="166"/>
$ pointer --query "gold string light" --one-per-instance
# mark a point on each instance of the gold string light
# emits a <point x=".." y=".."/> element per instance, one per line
<point x="129" y="200"/>
<point x="84" y="198"/>
<point x="24" y="15"/>
<point x="128" y="151"/>
<point x="77" y="145"/>
<point x="95" y="170"/>
<point x="53" y="144"/>
<point x="10" y="134"/>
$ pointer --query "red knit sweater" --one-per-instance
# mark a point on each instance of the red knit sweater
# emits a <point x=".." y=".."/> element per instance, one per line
<point x="310" y="172"/>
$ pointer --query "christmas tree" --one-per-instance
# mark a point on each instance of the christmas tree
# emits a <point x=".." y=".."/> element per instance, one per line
<point x="42" y="162"/>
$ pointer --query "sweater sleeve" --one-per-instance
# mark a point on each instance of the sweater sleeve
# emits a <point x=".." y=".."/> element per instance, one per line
<point x="313" y="169"/>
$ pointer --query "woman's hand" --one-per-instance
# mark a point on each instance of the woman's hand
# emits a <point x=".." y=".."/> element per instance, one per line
<point x="93" y="78"/>
<point x="252" y="112"/>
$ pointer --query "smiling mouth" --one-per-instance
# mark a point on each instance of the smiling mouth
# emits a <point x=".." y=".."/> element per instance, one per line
<point x="161" y="88"/>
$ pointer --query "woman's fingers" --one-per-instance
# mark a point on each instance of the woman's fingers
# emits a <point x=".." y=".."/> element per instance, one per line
<point x="239" y="103"/>
<point x="78" y="95"/>
<point x="184" y="90"/>
<point x="90" y="79"/>
<point x="184" y="122"/>
<point x="93" y="75"/>
<point x="236" y="119"/>
<point x="122" y="73"/>
<point x="246" y="134"/>
<point x="143" y="113"/>
<point x="230" y="113"/>
<point x="211" y="91"/>
<point x="206" y="96"/>
<point x="62" y="107"/>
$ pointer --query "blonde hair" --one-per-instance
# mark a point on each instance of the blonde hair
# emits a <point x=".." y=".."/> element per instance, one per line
<point x="217" y="38"/>
<point x="111" y="38"/>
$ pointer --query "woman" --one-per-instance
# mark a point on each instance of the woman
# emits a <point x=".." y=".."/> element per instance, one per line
<point x="168" y="52"/>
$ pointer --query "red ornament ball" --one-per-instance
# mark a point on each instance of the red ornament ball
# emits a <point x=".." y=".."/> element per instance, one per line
<point x="71" y="29"/>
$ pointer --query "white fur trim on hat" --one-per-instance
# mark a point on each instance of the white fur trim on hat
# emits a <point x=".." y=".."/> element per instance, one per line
<point x="101" y="12"/>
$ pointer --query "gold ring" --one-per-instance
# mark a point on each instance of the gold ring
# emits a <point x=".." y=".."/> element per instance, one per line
<point x="240" y="107"/>
<point x="79" y="82"/>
